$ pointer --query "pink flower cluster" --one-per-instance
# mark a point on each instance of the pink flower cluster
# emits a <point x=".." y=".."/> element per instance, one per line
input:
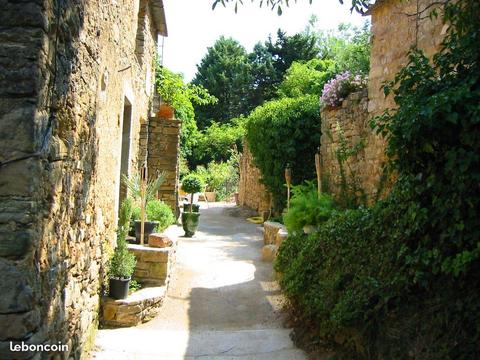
<point x="338" y="88"/>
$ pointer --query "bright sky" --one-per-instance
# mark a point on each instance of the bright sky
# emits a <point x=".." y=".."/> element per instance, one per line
<point x="193" y="26"/>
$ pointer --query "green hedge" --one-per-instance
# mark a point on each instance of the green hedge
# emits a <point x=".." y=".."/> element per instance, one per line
<point x="281" y="132"/>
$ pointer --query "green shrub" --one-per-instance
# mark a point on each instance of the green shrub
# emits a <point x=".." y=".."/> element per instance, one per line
<point x="136" y="213"/>
<point x="281" y="132"/>
<point x="125" y="214"/>
<point x="307" y="208"/>
<point x="192" y="184"/>
<point x="216" y="143"/>
<point x="134" y="286"/>
<point x="122" y="263"/>
<point x="401" y="278"/>
<point x="306" y="78"/>
<point x="157" y="210"/>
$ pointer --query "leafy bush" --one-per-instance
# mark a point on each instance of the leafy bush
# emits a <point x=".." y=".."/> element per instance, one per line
<point x="349" y="46"/>
<point x="338" y="88"/>
<point x="157" y="210"/>
<point x="125" y="214"/>
<point x="136" y="213"/>
<point x="401" y="279"/>
<point x="217" y="142"/>
<point x="281" y="132"/>
<point x="220" y="177"/>
<point x="134" y="286"/>
<point x="307" y="208"/>
<point x="306" y="78"/>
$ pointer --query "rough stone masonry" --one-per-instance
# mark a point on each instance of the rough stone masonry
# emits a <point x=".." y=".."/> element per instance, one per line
<point x="76" y="84"/>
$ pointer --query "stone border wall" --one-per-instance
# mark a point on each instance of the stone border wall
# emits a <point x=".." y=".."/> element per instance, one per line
<point x="154" y="265"/>
<point x="251" y="192"/>
<point x="347" y="128"/>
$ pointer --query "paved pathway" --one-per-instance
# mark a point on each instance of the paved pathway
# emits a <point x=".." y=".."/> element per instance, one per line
<point x="222" y="302"/>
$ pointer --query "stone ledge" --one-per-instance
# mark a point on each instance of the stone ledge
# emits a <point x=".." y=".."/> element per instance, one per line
<point x="282" y="235"/>
<point x="153" y="264"/>
<point x="271" y="229"/>
<point x="269" y="253"/>
<point x="138" y="307"/>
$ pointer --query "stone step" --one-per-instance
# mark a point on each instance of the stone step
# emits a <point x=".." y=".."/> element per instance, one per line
<point x="147" y="343"/>
<point x="140" y="306"/>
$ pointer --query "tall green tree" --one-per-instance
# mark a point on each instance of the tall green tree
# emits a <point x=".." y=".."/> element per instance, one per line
<point x="349" y="46"/>
<point x="270" y="61"/>
<point x="225" y="72"/>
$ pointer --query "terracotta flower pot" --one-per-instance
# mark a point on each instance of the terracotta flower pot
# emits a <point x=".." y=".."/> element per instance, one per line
<point x="166" y="112"/>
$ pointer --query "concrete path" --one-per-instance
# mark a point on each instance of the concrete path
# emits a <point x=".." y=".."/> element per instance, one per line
<point x="222" y="302"/>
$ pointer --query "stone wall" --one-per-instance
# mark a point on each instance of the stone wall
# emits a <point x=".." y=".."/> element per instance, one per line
<point x="163" y="156"/>
<point x="154" y="265"/>
<point x="345" y="131"/>
<point x="251" y="192"/>
<point x="68" y="69"/>
<point x="395" y="29"/>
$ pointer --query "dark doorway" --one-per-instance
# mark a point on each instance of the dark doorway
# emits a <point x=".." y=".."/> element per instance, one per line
<point x="126" y="141"/>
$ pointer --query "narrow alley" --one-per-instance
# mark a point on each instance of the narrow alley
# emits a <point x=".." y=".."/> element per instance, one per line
<point x="222" y="302"/>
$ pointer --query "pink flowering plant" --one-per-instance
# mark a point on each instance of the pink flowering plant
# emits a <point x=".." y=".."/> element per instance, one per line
<point x="338" y="88"/>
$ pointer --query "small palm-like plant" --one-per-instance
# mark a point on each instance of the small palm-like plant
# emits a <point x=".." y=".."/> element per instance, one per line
<point x="134" y="185"/>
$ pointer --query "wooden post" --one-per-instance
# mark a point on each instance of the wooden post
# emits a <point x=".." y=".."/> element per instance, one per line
<point x="288" y="179"/>
<point x="319" y="171"/>
<point x="143" y="182"/>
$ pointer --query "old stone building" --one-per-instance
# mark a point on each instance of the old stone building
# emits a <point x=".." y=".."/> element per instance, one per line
<point x="76" y="91"/>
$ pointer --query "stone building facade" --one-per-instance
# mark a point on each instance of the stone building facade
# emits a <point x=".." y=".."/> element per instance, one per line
<point x="76" y="86"/>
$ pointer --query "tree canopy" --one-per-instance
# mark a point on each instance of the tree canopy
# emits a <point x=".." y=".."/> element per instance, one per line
<point x="225" y="72"/>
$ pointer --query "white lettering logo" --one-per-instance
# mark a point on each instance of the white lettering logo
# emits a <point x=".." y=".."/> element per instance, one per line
<point x="38" y="348"/>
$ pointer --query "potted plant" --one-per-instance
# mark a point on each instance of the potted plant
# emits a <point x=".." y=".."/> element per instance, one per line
<point x="191" y="184"/>
<point x="122" y="263"/>
<point x="170" y="87"/>
<point x="176" y="95"/>
<point x="134" y="186"/>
